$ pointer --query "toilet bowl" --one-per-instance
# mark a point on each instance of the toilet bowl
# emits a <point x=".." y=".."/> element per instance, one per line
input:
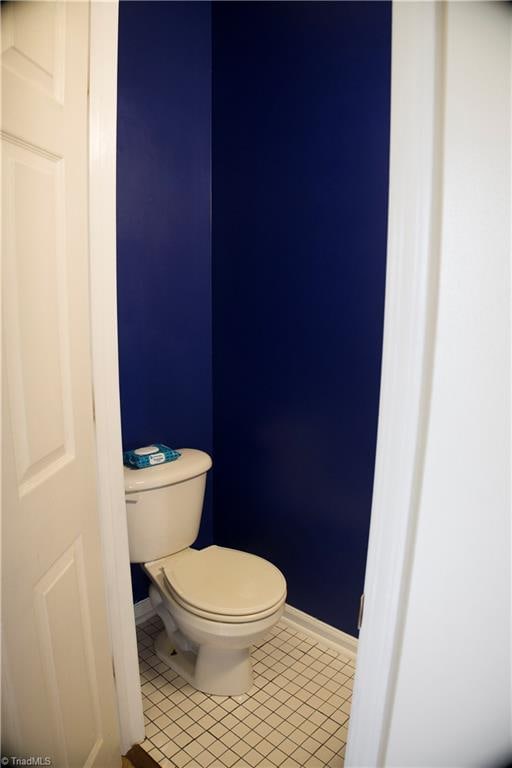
<point x="215" y="603"/>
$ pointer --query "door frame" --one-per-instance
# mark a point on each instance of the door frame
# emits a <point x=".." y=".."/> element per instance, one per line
<point x="412" y="274"/>
<point x="110" y="481"/>
<point x="410" y="303"/>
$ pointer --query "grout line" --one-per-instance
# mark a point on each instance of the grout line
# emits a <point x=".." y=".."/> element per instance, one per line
<point x="309" y="649"/>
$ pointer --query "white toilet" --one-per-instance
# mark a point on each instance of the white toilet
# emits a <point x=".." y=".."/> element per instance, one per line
<point x="215" y="602"/>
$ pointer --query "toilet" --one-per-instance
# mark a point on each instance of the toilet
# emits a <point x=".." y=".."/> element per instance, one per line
<point x="215" y="603"/>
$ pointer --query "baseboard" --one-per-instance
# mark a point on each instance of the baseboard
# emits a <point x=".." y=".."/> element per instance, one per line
<point x="321" y="631"/>
<point x="143" y="611"/>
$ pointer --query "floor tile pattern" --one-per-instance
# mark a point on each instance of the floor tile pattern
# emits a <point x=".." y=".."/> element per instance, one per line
<point x="295" y="715"/>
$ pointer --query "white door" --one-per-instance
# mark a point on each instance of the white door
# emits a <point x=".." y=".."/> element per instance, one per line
<point x="58" y="686"/>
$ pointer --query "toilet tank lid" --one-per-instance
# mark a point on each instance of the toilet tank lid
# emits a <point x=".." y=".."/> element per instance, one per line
<point x="190" y="464"/>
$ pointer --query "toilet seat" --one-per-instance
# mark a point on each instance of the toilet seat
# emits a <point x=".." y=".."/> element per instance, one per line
<point x="224" y="584"/>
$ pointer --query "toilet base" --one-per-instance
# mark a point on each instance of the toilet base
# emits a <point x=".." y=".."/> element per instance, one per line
<point x="213" y="670"/>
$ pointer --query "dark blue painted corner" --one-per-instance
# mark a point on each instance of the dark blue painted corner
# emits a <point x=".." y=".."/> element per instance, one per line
<point x="301" y="100"/>
<point x="163" y="229"/>
<point x="140" y="583"/>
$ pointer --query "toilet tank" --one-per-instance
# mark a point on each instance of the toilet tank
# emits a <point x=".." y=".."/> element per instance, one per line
<point x="164" y="504"/>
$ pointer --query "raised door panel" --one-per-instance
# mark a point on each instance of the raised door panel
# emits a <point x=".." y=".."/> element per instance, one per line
<point x="35" y="316"/>
<point x="67" y="654"/>
<point x="33" y="37"/>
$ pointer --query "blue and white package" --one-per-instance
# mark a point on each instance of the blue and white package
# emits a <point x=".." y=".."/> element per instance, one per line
<point x="149" y="455"/>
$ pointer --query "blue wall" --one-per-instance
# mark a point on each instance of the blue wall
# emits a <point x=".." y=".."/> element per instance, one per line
<point x="300" y="172"/>
<point x="301" y="100"/>
<point x="163" y="230"/>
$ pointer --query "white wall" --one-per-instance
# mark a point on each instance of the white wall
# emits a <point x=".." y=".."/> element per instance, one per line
<point x="451" y="702"/>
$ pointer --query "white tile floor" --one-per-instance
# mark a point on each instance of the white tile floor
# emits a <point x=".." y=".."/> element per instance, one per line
<point x="295" y="715"/>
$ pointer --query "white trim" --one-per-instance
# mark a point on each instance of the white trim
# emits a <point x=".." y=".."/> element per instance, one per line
<point x="143" y="610"/>
<point x="409" y="333"/>
<point x="102" y="212"/>
<point x="510" y="415"/>
<point x="319" y="630"/>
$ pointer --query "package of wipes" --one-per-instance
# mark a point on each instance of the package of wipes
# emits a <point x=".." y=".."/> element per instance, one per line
<point x="139" y="458"/>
